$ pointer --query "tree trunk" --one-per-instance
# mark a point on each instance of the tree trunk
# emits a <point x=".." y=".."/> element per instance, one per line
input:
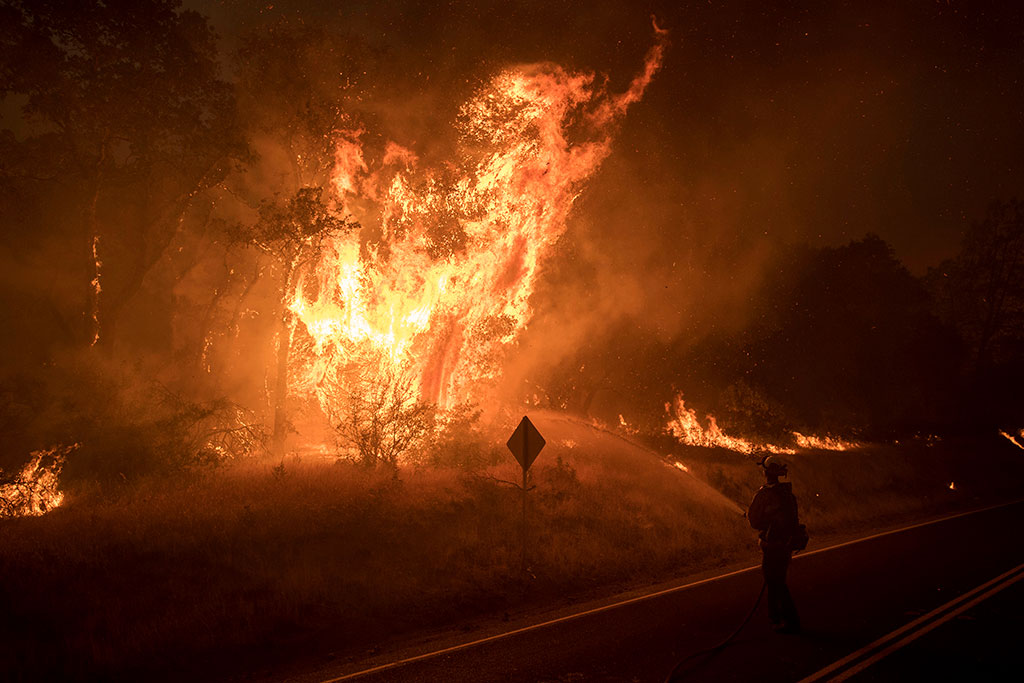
<point x="92" y="321"/>
<point x="286" y="328"/>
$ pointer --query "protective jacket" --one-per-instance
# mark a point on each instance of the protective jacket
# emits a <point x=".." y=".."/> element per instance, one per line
<point x="773" y="513"/>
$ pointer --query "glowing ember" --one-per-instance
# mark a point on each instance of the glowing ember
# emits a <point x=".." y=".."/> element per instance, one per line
<point x="34" y="490"/>
<point x="952" y="486"/>
<point x="626" y="427"/>
<point x="96" y="289"/>
<point x="437" y="283"/>
<point x="1013" y="439"/>
<point x="681" y="466"/>
<point x="824" y="443"/>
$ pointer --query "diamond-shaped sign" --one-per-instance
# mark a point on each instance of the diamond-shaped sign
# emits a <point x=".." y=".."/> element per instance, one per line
<point x="525" y="443"/>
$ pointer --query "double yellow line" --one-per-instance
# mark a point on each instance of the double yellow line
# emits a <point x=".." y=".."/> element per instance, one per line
<point x="856" y="662"/>
<point x="675" y="589"/>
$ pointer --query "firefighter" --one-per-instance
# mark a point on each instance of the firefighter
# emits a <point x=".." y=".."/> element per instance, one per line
<point x="773" y="512"/>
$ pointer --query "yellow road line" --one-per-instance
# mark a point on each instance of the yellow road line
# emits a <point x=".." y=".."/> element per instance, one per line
<point x="916" y="628"/>
<point x="649" y="596"/>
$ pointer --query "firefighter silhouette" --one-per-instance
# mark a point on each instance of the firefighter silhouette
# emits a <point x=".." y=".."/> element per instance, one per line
<point x="773" y="512"/>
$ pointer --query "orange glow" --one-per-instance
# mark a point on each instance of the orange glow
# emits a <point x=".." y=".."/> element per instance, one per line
<point x="687" y="428"/>
<point x="438" y="282"/>
<point x="1013" y="439"/>
<point x="35" y="489"/>
<point x="626" y="427"/>
<point x="96" y="289"/>
<point x="824" y="443"/>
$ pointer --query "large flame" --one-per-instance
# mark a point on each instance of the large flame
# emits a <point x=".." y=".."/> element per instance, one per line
<point x="437" y="284"/>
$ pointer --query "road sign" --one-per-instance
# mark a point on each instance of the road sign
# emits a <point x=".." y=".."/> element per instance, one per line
<point x="525" y="443"/>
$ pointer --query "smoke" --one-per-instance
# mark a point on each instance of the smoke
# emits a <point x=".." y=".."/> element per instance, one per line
<point x="765" y="126"/>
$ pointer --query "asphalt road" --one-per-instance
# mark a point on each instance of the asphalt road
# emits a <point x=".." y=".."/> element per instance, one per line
<point x="849" y="597"/>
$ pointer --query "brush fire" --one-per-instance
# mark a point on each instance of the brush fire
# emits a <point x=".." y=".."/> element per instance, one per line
<point x="280" y="279"/>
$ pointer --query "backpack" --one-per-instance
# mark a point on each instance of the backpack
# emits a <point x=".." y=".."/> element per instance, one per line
<point x="798" y="541"/>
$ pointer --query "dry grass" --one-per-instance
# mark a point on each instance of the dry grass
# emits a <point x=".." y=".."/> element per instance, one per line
<point x="250" y="559"/>
<point x="241" y="563"/>
<point x="848" y="491"/>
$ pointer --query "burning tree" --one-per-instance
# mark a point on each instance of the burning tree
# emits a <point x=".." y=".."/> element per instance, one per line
<point x="291" y="88"/>
<point x="293" y="232"/>
<point x="438" y="281"/>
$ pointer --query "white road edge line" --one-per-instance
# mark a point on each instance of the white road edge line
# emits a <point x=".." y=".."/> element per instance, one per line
<point x="641" y="598"/>
<point x="1008" y="577"/>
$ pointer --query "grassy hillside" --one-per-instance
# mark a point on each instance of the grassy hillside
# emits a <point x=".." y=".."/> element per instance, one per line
<point x="252" y="557"/>
<point x="240" y="563"/>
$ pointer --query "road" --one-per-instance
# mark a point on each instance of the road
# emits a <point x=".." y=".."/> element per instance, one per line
<point x="852" y="599"/>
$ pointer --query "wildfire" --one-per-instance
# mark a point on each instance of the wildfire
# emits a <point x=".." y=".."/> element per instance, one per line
<point x="824" y="443"/>
<point x="35" y="489"/>
<point x="437" y="285"/>
<point x="685" y="426"/>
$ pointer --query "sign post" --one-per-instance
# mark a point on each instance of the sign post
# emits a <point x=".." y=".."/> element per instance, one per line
<point x="525" y="443"/>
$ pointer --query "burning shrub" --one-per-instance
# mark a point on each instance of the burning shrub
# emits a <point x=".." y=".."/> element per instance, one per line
<point x="379" y="415"/>
<point x="34" y="490"/>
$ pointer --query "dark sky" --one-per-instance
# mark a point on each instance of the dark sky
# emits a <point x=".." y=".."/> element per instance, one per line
<point x="817" y="121"/>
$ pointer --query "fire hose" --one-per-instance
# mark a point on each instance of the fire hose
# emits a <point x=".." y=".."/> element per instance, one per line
<point x="715" y="649"/>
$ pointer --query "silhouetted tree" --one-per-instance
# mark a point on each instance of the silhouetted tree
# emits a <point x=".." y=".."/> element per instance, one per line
<point x="125" y="102"/>
<point x="856" y="344"/>
<point x="981" y="289"/>
<point x="841" y="339"/>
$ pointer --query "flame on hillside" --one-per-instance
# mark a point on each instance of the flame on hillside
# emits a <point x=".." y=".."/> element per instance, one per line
<point x="685" y="426"/>
<point x="437" y="284"/>
<point x="824" y="443"/>
<point x="35" y="489"/>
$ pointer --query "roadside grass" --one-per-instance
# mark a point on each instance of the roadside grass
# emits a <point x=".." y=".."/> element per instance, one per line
<point x="841" y="491"/>
<point x="230" y="569"/>
<point x="236" y="564"/>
